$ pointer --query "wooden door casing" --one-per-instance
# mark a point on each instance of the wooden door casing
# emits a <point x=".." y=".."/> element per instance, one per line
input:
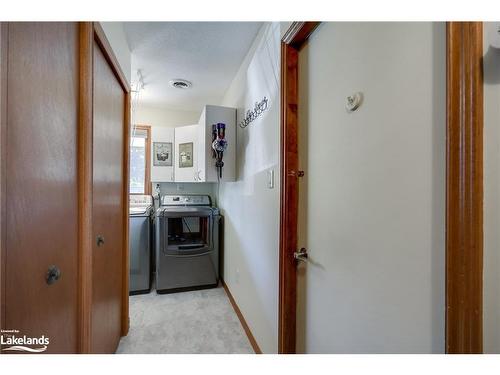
<point x="464" y="188"/>
<point x="41" y="183"/>
<point x="109" y="103"/>
<point x="3" y="145"/>
<point x="85" y="150"/>
<point x="292" y="41"/>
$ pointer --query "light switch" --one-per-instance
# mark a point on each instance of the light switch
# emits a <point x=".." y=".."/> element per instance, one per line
<point x="270" y="179"/>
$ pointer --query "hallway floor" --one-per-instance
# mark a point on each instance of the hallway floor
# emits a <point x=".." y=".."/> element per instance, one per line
<point x="197" y="322"/>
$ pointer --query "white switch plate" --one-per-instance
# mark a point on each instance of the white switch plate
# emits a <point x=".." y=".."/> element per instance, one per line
<point x="270" y="179"/>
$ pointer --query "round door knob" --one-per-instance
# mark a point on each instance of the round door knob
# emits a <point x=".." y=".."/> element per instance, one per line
<point x="53" y="274"/>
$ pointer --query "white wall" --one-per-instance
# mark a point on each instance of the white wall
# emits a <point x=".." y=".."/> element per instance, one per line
<point x="116" y="36"/>
<point x="251" y="210"/>
<point x="284" y="26"/>
<point x="374" y="216"/>
<point x="491" y="286"/>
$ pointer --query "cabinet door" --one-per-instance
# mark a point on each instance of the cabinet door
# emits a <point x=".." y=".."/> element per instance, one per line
<point x="41" y="182"/>
<point x="162" y="173"/>
<point x="213" y="115"/>
<point x="186" y="154"/>
<point x="202" y="146"/>
<point x="108" y="175"/>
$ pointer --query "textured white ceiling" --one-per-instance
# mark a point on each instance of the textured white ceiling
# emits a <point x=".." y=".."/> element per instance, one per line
<point x="206" y="53"/>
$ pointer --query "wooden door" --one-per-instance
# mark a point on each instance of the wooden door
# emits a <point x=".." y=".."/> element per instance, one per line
<point x="41" y="182"/>
<point x="108" y="206"/>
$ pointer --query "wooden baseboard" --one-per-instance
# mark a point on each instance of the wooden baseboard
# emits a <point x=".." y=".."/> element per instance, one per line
<point x="252" y="340"/>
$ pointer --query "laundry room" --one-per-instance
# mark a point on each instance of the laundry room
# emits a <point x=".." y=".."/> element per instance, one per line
<point x="232" y="187"/>
<point x="204" y="194"/>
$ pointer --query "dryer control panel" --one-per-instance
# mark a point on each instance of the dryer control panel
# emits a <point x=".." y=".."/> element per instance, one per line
<point x="186" y="200"/>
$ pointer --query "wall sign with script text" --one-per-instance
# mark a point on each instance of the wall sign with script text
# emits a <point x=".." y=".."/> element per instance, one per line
<point x="252" y="115"/>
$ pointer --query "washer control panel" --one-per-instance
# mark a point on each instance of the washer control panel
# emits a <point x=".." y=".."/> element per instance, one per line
<point x="140" y="200"/>
<point x="186" y="200"/>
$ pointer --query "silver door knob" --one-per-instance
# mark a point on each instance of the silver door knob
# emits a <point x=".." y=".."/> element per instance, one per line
<point x="301" y="255"/>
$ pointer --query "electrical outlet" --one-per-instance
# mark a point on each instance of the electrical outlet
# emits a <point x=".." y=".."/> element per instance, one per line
<point x="180" y="187"/>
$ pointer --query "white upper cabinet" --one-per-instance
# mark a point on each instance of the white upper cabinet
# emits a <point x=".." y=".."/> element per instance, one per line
<point x="206" y="169"/>
<point x="193" y="156"/>
<point x="186" y="154"/>
<point x="162" y="143"/>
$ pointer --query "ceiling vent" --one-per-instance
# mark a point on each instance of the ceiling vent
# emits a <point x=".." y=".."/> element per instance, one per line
<point x="180" y="84"/>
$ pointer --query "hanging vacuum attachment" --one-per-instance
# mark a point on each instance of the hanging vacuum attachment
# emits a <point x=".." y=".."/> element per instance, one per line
<point x="219" y="145"/>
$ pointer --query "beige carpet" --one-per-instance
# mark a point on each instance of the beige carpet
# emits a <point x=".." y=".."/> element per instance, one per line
<point x="183" y="323"/>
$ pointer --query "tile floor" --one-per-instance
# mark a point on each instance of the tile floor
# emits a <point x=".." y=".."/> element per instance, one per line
<point x="198" y="322"/>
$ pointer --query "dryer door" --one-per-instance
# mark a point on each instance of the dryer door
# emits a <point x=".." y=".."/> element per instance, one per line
<point x="186" y="235"/>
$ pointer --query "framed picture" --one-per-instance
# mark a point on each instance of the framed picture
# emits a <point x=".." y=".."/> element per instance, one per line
<point x="186" y="155"/>
<point x="162" y="154"/>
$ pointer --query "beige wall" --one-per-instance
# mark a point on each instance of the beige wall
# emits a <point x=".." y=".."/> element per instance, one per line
<point x="160" y="116"/>
<point x="491" y="286"/>
<point x="251" y="209"/>
<point x="373" y="195"/>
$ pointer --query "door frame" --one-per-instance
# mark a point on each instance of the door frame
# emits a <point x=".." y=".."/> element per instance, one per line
<point x="85" y="176"/>
<point x="291" y="43"/>
<point x="3" y="165"/>
<point x="464" y="185"/>
<point x="147" y="177"/>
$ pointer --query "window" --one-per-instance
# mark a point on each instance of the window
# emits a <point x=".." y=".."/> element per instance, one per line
<point x="140" y="160"/>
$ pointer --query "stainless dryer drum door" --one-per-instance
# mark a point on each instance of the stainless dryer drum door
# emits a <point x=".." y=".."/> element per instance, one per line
<point x="186" y="235"/>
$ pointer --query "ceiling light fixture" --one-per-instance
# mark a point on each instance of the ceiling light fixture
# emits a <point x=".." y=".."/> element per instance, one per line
<point x="180" y="84"/>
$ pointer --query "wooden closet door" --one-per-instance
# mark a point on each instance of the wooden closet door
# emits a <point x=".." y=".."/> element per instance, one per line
<point x="108" y="167"/>
<point x="41" y="182"/>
